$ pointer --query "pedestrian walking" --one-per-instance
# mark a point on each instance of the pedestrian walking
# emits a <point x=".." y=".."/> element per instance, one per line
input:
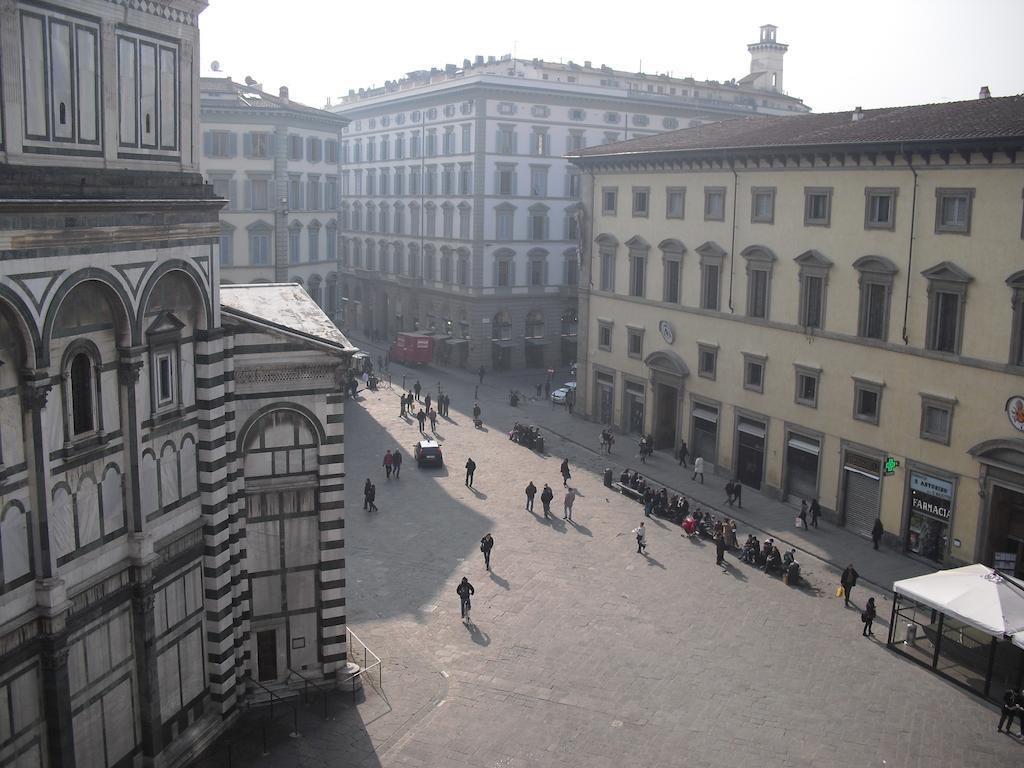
<point x="1013" y="706"/>
<point x="683" y="453"/>
<point x="486" y="545"/>
<point x="570" y="400"/>
<point x="426" y="402"/>
<point x="432" y="415"/>
<point x="416" y="388"/>
<point x="481" y="372"/>
<point x="476" y="412"/>
<point x="648" y="502"/>
<point x="366" y="493"/>
<point x="815" y="512"/>
<point x="421" y="417"/>
<point x="848" y="581"/>
<point x="570" y="499"/>
<point x="565" y="473"/>
<point x="801" y="519"/>
<point x="876" y="532"/>
<point x="372" y="497"/>
<point x="444" y="405"/>
<point x="728" y="492"/>
<point x="547" y="390"/>
<point x="868" y="616"/>
<point x="389" y="461"/>
<point x="720" y="549"/>
<point x="396" y="462"/>
<point x="737" y="492"/>
<point x="401" y="401"/>
<point x="470" y="469"/>
<point x="531" y="491"/>
<point x="464" y="591"/>
<point x="641" y="538"/>
<point x="698" y="469"/>
<point x="545" y="498"/>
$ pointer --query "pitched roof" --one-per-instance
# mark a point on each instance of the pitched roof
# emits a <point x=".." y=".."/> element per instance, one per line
<point x="223" y="92"/>
<point x="283" y="307"/>
<point x="1001" y="118"/>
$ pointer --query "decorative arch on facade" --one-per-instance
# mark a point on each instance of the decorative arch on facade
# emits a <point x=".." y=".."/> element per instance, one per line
<point x="113" y="294"/>
<point x="15" y="546"/>
<point x="534" y="325"/>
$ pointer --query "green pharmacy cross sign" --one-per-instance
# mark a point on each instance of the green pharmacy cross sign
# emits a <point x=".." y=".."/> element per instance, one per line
<point x="890" y="465"/>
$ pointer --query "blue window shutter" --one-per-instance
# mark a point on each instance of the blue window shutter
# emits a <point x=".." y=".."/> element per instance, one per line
<point x="232" y="144"/>
<point x="248" y="195"/>
<point x="233" y="194"/>
<point x="207" y="143"/>
<point x="298" y="148"/>
<point x="247" y="144"/>
<point x="302" y="197"/>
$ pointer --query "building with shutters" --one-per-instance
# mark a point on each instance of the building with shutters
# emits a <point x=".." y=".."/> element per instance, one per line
<point x="801" y="298"/>
<point x="459" y="213"/>
<point x="276" y="163"/>
<point x="171" y="460"/>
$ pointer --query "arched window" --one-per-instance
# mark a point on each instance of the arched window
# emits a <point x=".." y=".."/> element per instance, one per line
<point x="82" y="400"/>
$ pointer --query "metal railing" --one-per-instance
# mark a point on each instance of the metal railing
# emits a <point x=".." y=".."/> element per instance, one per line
<point x="273" y="696"/>
<point x="306" y="683"/>
<point x="371" y="661"/>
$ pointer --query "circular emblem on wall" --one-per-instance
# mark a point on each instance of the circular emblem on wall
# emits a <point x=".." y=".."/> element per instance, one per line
<point x="669" y="336"/>
<point x="1015" y="412"/>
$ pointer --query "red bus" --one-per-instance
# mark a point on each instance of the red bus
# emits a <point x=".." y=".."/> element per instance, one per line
<point x="415" y="348"/>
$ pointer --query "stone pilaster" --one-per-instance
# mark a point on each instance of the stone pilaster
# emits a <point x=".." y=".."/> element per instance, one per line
<point x="331" y="581"/>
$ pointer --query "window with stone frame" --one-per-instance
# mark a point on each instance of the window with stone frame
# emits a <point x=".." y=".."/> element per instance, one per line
<point x="947" y="294"/>
<point x="504" y="222"/>
<point x="711" y="259"/>
<point x="753" y="372"/>
<point x="164" y="339"/>
<point x="875" y="280"/>
<point x="880" y="207"/>
<point x="760" y="263"/>
<point x="638" y="252"/>
<point x="609" y="200"/>
<point x="814" y="269"/>
<point x="675" y="203"/>
<point x="714" y="203"/>
<point x="953" y="210"/>
<point x="762" y="205"/>
<point x="635" y="342"/>
<point x="641" y="202"/>
<point x="80" y="374"/>
<point x="867" y="400"/>
<point x="504" y="271"/>
<point x="936" y="417"/>
<point x="607" y="248"/>
<point x="538" y="269"/>
<point x="672" y="271"/>
<point x="538" y="222"/>
<point x="604" y="335"/>
<point x="1016" y="283"/>
<point x="707" y="361"/>
<point x="807" y="385"/>
<point x="817" y="206"/>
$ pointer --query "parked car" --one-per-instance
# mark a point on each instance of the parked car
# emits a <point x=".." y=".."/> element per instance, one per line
<point x="428" y="452"/>
<point x="560" y="394"/>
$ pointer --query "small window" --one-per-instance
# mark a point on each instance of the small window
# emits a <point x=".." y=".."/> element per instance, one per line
<point x="636" y="342"/>
<point x="753" y="372"/>
<point x="710" y="292"/>
<point x="757" y="293"/>
<point x="609" y="200"/>
<point x="641" y="201"/>
<point x="762" y="205"/>
<point x="867" y="401"/>
<point x="577" y="115"/>
<point x="880" y="208"/>
<point x="807" y="386"/>
<point x="604" y="336"/>
<point x="675" y="203"/>
<point x="707" y="361"/>
<point x="673" y="268"/>
<point x="637" y="275"/>
<point x="82" y="400"/>
<point x="813" y="302"/>
<point x="936" y="418"/>
<point x="953" y="210"/>
<point x="164" y="379"/>
<point x="817" y="206"/>
<point x="714" y="203"/>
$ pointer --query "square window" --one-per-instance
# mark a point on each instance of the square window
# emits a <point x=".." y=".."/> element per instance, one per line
<point x="753" y="373"/>
<point x="675" y="203"/>
<point x="867" y="401"/>
<point x="636" y="342"/>
<point x="817" y="206"/>
<point x="762" y="205"/>
<point x="953" y="210"/>
<point x="807" y="387"/>
<point x="609" y="200"/>
<point x="641" y="201"/>
<point x="707" y="361"/>
<point x="604" y="336"/>
<point x="880" y="208"/>
<point x="714" y="203"/>
<point x="936" y="419"/>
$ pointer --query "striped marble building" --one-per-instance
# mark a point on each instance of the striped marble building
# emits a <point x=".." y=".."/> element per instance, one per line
<point x="171" y="455"/>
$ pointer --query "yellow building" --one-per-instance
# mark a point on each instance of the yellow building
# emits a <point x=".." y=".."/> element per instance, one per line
<point x="803" y="297"/>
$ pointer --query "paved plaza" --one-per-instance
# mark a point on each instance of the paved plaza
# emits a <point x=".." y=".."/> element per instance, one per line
<point x="582" y="652"/>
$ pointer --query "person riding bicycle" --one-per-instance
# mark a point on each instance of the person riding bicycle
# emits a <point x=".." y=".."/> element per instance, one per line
<point x="464" y="590"/>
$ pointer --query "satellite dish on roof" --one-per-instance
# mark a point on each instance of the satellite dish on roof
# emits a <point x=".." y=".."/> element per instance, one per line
<point x="215" y="66"/>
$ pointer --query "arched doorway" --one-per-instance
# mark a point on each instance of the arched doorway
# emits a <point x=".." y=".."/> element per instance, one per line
<point x="1001" y="482"/>
<point x="668" y="372"/>
<point x="501" y="341"/>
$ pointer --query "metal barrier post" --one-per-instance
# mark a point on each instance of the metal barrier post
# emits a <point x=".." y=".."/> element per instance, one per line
<point x="295" y="724"/>
<point x="265" y="750"/>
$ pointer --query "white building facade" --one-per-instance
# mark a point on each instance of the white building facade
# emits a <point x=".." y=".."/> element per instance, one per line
<point x="276" y="163"/>
<point x="460" y="214"/>
<point x="141" y="429"/>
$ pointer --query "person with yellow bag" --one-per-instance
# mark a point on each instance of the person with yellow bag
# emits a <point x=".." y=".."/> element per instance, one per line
<point x="846" y="584"/>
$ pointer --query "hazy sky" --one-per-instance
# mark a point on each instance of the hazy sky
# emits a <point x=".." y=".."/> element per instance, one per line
<point x="869" y="53"/>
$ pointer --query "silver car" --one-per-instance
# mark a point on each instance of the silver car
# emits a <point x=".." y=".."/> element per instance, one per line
<point x="560" y="394"/>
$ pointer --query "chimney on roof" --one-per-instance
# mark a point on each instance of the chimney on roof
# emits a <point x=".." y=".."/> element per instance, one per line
<point x="490" y="59"/>
<point x="478" y="61"/>
<point x="283" y="92"/>
<point x="586" y="63"/>
<point x="984" y="93"/>
<point x="858" y="114"/>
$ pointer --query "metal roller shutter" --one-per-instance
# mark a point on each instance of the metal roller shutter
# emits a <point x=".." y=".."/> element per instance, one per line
<point x="860" y="503"/>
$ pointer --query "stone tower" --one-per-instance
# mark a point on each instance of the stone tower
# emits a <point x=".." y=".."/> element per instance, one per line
<point x="766" y="60"/>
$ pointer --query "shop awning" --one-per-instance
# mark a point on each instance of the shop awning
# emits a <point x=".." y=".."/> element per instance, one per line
<point x="504" y="343"/>
<point x="975" y="594"/>
<point x="454" y="342"/>
<point x="537" y="342"/>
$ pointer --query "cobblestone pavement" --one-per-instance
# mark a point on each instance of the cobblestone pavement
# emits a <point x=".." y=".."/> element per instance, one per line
<point x="582" y="652"/>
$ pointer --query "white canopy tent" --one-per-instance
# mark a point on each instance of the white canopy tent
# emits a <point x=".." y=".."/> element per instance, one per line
<point x="975" y="594"/>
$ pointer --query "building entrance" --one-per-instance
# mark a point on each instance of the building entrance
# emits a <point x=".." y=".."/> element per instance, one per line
<point x="666" y="414"/>
<point x="750" y="452"/>
<point x="1006" y="529"/>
